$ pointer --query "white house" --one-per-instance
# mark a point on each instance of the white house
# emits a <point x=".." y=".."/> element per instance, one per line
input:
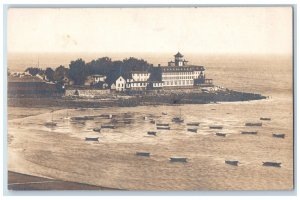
<point x="94" y="79"/>
<point x="120" y="84"/>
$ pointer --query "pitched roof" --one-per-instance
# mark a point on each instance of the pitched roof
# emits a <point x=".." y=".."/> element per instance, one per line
<point x="178" y="55"/>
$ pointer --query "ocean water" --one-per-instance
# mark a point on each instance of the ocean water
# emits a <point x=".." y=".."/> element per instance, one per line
<point x="62" y="153"/>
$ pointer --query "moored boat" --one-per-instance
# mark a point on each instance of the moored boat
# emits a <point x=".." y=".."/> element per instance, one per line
<point x="272" y="164"/>
<point x="192" y="130"/>
<point x="163" y="127"/>
<point x="97" y="129"/>
<point x="162" y="124"/>
<point x="193" y="124"/>
<point x="50" y="124"/>
<point x="108" y="126"/>
<point x="221" y="134"/>
<point x="140" y="153"/>
<point x="216" y="127"/>
<point x="92" y="139"/>
<point x="232" y="162"/>
<point x="278" y="135"/>
<point x="265" y="118"/>
<point x="253" y="124"/>
<point x="164" y="113"/>
<point x="178" y="159"/>
<point x="152" y="121"/>
<point x="177" y="120"/>
<point x="249" y="132"/>
<point x="83" y="118"/>
<point x="151" y="133"/>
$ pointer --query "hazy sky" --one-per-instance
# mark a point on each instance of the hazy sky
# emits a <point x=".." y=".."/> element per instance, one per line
<point x="189" y="30"/>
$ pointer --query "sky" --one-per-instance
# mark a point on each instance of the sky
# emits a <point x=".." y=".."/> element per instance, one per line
<point x="157" y="30"/>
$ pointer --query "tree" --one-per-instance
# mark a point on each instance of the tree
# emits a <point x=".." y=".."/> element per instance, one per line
<point x="78" y="71"/>
<point x="59" y="73"/>
<point x="34" y="71"/>
<point x="100" y="66"/>
<point x="49" y="72"/>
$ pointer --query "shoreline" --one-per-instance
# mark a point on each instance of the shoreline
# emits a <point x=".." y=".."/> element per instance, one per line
<point x="24" y="182"/>
<point x="134" y="100"/>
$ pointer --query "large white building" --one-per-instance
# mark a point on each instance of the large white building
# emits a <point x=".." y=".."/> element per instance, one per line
<point x="179" y="74"/>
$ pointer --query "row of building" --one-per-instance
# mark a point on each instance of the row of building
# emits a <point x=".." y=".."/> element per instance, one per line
<point x="178" y="74"/>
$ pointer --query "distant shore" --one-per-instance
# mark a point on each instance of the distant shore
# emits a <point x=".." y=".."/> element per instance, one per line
<point x="134" y="100"/>
<point x="18" y="181"/>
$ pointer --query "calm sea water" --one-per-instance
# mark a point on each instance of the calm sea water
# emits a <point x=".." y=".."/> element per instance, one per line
<point x="62" y="153"/>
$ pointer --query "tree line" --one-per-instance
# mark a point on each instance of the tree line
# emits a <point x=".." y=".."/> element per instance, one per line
<point x="78" y="70"/>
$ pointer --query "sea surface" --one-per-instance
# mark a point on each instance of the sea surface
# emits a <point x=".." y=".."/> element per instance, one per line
<point x="61" y="152"/>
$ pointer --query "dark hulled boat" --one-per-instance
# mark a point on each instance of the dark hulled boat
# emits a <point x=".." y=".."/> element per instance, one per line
<point x="178" y="159"/>
<point x="192" y="130"/>
<point x="163" y="127"/>
<point x="151" y="133"/>
<point x="92" y="139"/>
<point x="140" y="153"/>
<point x="108" y="126"/>
<point x="279" y="135"/>
<point x="221" y="134"/>
<point x="162" y="124"/>
<point x="83" y="118"/>
<point x="97" y="129"/>
<point x="249" y="132"/>
<point x="193" y="124"/>
<point x="232" y="162"/>
<point x="253" y="124"/>
<point x="272" y="164"/>
<point x="216" y="127"/>
<point x="265" y="118"/>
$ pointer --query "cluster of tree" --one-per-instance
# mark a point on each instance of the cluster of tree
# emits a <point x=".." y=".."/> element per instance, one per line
<point x="56" y="75"/>
<point x="78" y="70"/>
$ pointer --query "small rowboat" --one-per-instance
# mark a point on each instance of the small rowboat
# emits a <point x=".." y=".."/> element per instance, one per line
<point x="92" y="139"/>
<point x="178" y="159"/>
<point x="192" y="130"/>
<point x="151" y="133"/>
<point x="49" y="124"/>
<point x="265" y="118"/>
<point x="215" y="127"/>
<point x="163" y="127"/>
<point x="164" y="113"/>
<point x="177" y="120"/>
<point x="278" y="135"/>
<point x="221" y="134"/>
<point x="108" y="126"/>
<point x="253" y="124"/>
<point x="97" y="129"/>
<point x="193" y="124"/>
<point x="83" y="118"/>
<point x="162" y="124"/>
<point x="272" y="164"/>
<point x="232" y="162"/>
<point x="249" y="132"/>
<point x="145" y="154"/>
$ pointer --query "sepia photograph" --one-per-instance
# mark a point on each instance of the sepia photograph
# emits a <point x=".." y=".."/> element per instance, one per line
<point x="150" y="98"/>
